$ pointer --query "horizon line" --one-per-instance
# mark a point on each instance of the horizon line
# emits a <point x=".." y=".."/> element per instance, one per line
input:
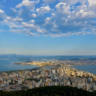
<point x="46" y="55"/>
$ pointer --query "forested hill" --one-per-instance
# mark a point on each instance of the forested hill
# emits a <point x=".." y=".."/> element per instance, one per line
<point x="49" y="91"/>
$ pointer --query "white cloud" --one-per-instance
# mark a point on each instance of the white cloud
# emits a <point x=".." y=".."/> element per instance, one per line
<point x="39" y="30"/>
<point x="2" y="15"/>
<point x="19" y="5"/>
<point x="63" y="8"/>
<point x="18" y="19"/>
<point x="83" y="13"/>
<point x="28" y="25"/>
<point x="1" y="11"/>
<point x="47" y="19"/>
<point x="43" y="9"/>
<point x="65" y="18"/>
<point x="92" y="3"/>
<point x="13" y="9"/>
<point x="27" y="3"/>
<point x="32" y="21"/>
<point x="71" y="2"/>
<point x="34" y="15"/>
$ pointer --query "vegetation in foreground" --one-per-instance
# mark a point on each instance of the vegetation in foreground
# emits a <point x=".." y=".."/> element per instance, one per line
<point x="49" y="91"/>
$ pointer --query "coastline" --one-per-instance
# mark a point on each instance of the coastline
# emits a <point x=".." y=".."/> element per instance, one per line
<point x="42" y="76"/>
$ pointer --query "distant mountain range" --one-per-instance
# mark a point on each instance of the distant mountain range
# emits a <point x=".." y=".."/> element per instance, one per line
<point x="11" y="56"/>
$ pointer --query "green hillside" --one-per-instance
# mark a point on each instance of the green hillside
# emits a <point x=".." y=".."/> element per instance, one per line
<point x="50" y="91"/>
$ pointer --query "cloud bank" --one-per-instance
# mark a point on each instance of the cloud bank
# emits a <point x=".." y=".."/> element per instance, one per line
<point x="53" y="18"/>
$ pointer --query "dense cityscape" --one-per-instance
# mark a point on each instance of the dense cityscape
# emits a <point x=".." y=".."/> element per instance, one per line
<point x="59" y="75"/>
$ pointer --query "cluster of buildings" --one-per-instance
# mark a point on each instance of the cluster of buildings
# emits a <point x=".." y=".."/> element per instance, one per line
<point x="61" y="76"/>
<point x="36" y="63"/>
<point x="75" y="62"/>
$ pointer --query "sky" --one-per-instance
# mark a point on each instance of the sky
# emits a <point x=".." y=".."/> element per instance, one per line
<point x="48" y="27"/>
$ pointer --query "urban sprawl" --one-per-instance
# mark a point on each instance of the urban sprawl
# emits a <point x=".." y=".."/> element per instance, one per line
<point x="57" y="75"/>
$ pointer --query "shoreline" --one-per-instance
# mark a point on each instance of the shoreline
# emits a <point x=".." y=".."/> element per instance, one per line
<point x="45" y="77"/>
<point x="42" y="76"/>
<point x="37" y="66"/>
<point x="20" y="70"/>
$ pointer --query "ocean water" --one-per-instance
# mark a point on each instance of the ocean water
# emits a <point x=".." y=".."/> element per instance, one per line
<point x="7" y="62"/>
<point x="87" y="68"/>
<point x="9" y="65"/>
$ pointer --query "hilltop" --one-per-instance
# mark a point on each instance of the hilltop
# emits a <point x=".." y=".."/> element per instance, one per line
<point x="50" y="91"/>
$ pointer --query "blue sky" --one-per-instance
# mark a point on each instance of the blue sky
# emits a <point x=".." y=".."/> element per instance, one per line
<point x="48" y="27"/>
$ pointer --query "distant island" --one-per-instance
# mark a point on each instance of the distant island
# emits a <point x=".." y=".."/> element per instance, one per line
<point x="59" y="63"/>
<point x="41" y="64"/>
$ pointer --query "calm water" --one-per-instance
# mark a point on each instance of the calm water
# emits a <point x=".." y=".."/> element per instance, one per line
<point x="88" y="68"/>
<point x="7" y="62"/>
<point x="8" y="65"/>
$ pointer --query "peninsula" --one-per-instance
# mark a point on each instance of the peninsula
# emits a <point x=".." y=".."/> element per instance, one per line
<point x="36" y="63"/>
